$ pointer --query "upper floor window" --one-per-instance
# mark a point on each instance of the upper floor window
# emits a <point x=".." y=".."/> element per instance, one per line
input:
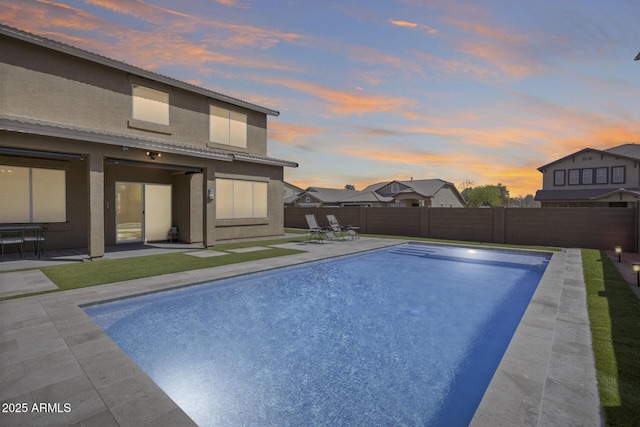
<point x="36" y="195"/>
<point x="601" y="175"/>
<point x="227" y="127"/>
<point x="558" y="177"/>
<point x="587" y="176"/>
<point x="574" y="176"/>
<point x="617" y="175"/>
<point x="150" y="105"/>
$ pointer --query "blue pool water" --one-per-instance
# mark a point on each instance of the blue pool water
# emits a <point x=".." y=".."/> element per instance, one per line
<point x="409" y="335"/>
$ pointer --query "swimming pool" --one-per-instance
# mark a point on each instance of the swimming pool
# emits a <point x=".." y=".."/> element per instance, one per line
<point x="406" y="335"/>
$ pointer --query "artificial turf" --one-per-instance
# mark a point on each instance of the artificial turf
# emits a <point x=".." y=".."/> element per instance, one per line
<point x="614" y="314"/>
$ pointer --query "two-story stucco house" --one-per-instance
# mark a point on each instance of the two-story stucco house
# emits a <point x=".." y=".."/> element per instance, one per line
<point x="592" y="178"/>
<point x="106" y="152"/>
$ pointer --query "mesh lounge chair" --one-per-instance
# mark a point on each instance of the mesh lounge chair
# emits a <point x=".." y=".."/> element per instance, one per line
<point x="315" y="231"/>
<point x="334" y="225"/>
<point x="352" y="232"/>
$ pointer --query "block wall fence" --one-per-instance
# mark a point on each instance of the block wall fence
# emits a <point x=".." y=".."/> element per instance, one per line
<point x="597" y="228"/>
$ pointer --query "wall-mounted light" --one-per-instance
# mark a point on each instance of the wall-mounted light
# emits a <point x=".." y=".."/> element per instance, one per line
<point x="153" y="154"/>
<point x="210" y="194"/>
<point x="618" y="252"/>
<point x="636" y="268"/>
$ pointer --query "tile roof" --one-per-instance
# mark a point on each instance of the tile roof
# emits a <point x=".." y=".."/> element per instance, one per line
<point x="45" y="128"/>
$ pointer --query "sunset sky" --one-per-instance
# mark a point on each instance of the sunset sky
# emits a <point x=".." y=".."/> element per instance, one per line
<point x="369" y="90"/>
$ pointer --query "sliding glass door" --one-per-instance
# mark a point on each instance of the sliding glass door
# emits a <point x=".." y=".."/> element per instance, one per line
<point x="143" y="212"/>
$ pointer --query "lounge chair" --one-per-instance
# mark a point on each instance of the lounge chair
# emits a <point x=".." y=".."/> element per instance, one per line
<point x="317" y="232"/>
<point x="334" y="225"/>
<point x="352" y="232"/>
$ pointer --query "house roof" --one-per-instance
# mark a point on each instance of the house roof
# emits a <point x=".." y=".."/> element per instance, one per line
<point x="424" y="187"/>
<point x="122" y="66"/>
<point x="627" y="151"/>
<point x="367" y="197"/>
<point x="581" y="194"/>
<point x="44" y="128"/>
<point x="329" y="195"/>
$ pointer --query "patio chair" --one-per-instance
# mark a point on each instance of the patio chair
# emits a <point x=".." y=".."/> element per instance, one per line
<point x="36" y="237"/>
<point x="12" y="237"/>
<point x="334" y="225"/>
<point x="353" y="232"/>
<point x="315" y="231"/>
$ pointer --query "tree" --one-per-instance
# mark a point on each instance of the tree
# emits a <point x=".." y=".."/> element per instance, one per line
<point x="504" y="195"/>
<point x="465" y="187"/>
<point x="349" y="187"/>
<point x="485" y="195"/>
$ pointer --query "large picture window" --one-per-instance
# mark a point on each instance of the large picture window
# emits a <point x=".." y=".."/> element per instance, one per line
<point x="240" y="199"/>
<point x="227" y="127"/>
<point x="150" y="105"/>
<point x="36" y="195"/>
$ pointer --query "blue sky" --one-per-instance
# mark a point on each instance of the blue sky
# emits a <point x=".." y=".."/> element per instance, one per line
<point x="471" y="90"/>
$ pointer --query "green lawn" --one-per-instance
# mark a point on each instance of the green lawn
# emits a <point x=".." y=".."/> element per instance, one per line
<point x="614" y="314"/>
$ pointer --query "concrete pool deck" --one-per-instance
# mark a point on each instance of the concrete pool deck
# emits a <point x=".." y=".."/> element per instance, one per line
<point x="52" y="353"/>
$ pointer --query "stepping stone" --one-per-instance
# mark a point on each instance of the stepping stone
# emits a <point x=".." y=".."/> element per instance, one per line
<point x="249" y="249"/>
<point x="205" y="254"/>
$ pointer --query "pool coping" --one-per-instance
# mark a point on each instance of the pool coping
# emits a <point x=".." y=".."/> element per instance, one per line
<point x="53" y="353"/>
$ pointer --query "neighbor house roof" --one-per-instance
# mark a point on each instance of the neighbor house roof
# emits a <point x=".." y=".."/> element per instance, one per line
<point x="367" y="197"/>
<point x="329" y="195"/>
<point x="122" y="66"/>
<point x="626" y="151"/>
<point x="581" y="194"/>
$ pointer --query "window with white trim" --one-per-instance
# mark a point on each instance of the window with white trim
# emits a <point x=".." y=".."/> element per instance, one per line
<point x="237" y="198"/>
<point x="601" y="175"/>
<point x="574" y="176"/>
<point x="558" y="177"/>
<point x="150" y="105"/>
<point x="587" y="176"/>
<point x="617" y="175"/>
<point x="227" y="127"/>
<point x="37" y="195"/>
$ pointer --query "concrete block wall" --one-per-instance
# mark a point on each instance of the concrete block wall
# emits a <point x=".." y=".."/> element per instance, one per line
<point x="599" y="228"/>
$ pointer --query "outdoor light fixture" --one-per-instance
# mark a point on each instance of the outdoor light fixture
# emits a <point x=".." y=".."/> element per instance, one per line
<point x="619" y="252"/>
<point x="153" y="154"/>
<point x="210" y="193"/>
<point x="636" y="268"/>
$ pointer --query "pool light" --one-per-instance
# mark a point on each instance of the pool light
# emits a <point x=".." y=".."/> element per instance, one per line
<point x="619" y="251"/>
<point x="636" y="268"/>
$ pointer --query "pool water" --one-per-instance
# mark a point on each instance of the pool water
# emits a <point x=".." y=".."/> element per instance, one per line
<point x="409" y="335"/>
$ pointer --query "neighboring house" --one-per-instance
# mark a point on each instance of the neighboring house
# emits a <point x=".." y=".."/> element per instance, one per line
<point x="423" y="193"/>
<point x="106" y="153"/>
<point x="291" y="193"/>
<point x="434" y="193"/>
<point x="592" y="178"/>
<point x="318" y="196"/>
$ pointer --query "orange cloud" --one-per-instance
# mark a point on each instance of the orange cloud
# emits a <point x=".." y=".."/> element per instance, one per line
<point x="291" y="133"/>
<point x="413" y="25"/>
<point x="343" y="102"/>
